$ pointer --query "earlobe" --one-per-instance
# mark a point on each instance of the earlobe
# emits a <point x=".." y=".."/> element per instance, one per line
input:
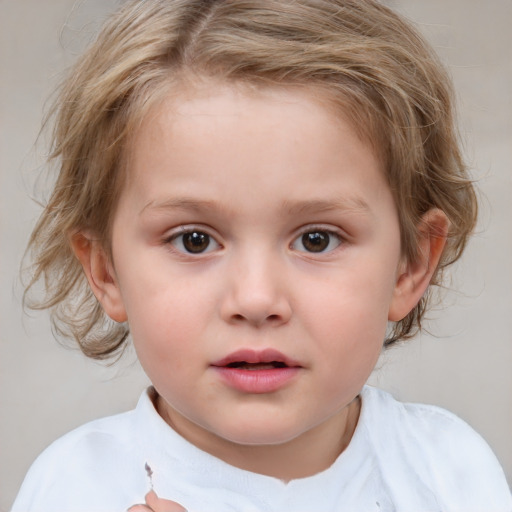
<point x="100" y="274"/>
<point x="414" y="277"/>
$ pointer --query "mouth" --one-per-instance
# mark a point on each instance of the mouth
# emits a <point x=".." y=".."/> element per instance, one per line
<point x="247" y="359"/>
<point x="257" y="372"/>
<point x="244" y="365"/>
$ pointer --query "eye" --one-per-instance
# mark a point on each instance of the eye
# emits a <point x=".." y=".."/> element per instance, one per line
<point x="316" y="241"/>
<point x="194" y="242"/>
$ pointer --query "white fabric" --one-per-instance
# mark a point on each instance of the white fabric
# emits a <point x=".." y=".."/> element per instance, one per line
<point x="402" y="457"/>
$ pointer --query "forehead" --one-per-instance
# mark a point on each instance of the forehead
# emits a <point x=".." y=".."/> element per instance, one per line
<point x="201" y="105"/>
<point x="216" y="138"/>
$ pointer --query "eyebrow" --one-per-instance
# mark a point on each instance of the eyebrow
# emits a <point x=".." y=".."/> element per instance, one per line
<point x="182" y="203"/>
<point x="353" y="205"/>
<point x="349" y="204"/>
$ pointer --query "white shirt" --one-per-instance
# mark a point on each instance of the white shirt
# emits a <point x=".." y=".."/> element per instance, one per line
<point x="402" y="457"/>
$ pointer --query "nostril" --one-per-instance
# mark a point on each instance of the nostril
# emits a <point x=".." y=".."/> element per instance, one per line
<point x="273" y="318"/>
<point x="256" y="312"/>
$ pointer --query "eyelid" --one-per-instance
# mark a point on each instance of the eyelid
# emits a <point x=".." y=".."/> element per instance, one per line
<point x="181" y="230"/>
<point x="328" y="228"/>
<point x="331" y="230"/>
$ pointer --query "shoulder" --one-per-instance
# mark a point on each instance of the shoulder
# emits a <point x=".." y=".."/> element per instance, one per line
<point x="90" y="439"/>
<point x="440" y="450"/>
<point x="82" y="466"/>
<point x="430" y="422"/>
<point x="432" y="429"/>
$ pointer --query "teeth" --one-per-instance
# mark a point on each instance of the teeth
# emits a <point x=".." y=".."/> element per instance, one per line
<point x="258" y="366"/>
<point x="243" y="365"/>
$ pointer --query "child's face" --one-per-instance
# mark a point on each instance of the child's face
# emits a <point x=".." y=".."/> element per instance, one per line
<point x="257" y="227"/>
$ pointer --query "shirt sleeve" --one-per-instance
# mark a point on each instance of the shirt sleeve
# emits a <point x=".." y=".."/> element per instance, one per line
<point x="85" y="471"/>
<point x="459" y="464"/>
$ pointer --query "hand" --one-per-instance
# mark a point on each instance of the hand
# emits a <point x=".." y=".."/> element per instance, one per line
<point x="156" y="504"/>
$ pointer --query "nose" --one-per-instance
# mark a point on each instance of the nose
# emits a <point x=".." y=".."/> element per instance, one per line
<point x="256" y="294"/>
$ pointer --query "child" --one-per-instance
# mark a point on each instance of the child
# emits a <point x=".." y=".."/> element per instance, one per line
<point x="255" y="189"/>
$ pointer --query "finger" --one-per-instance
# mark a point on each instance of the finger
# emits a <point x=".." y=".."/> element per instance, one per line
<point x="139" y="508"/>
<point x="160" y="505"/>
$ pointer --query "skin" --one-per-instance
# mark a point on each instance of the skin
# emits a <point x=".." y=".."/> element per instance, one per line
<point x="251" y="172"/>
<point x="156" y="504"/>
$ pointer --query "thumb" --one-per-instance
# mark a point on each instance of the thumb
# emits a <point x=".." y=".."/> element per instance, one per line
<point x="160" y="505"/>
<point x="139" y="508"/>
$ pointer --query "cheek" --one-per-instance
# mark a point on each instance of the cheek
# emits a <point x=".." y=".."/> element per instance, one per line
<point x="355" y="301"/>
<point x="165" y="326"/>
<point x="347" y="318"/>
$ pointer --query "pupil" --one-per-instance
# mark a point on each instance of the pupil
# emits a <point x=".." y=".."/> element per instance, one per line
<point x="316" y="241"/>
<point x="196" y="242"/>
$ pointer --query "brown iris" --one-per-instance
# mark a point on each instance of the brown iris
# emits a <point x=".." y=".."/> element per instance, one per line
<point x="196" y="242"/>
<point x="315" y="241"/>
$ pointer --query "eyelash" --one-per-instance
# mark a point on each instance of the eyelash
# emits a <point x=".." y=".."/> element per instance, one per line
<point x="183" y="231"/>
<point x="315" y="230"/>
<point x="327" y="236"/>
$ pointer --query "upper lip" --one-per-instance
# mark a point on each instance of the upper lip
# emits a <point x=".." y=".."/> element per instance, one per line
<point x="252" y="356"/>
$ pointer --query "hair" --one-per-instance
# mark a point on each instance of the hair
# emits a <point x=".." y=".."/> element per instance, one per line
<point x="364" y="57"/>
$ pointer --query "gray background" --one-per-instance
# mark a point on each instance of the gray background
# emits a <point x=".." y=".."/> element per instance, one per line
<point x="46" y="390"/>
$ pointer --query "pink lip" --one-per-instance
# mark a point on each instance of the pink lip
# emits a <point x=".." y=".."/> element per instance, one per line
<point x="264" y="380"/>
<point x="267" y="355"/>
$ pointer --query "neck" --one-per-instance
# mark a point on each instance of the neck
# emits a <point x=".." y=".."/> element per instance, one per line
<point x="306" y="455"/>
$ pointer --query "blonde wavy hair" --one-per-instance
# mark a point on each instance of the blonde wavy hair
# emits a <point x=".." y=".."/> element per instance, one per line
<point x="359" y="53"/>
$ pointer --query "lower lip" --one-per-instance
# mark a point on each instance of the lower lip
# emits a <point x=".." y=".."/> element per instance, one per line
<point x="257" y="381"/>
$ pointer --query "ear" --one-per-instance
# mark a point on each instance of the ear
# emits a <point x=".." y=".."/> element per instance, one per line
<point x="100" y="273"/>
<point x="414" y="276"/>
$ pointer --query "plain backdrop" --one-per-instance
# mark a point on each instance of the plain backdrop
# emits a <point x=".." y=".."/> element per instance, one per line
<point x="46" y="390"/>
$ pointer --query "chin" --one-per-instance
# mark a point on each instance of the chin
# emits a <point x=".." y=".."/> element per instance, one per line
<point x="259" y="435"/>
